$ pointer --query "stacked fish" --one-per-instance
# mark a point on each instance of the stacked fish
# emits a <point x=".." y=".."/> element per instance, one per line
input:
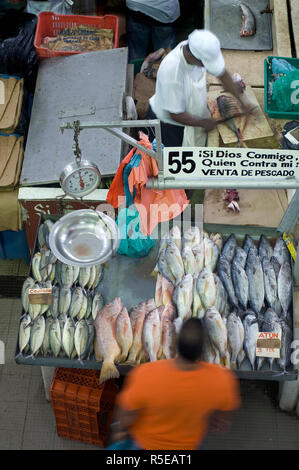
<point x="144" y="333"/>
<point x="64" y="328"/>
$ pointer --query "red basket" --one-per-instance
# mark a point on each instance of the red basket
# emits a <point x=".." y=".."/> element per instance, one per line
<point x="50" y="24"/>
<point x="82" y="408"/>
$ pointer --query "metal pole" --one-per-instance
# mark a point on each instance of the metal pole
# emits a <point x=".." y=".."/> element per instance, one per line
<point x="219" y="183"/>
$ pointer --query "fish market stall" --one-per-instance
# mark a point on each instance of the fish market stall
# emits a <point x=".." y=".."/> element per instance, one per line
<point x="210" y="270"/>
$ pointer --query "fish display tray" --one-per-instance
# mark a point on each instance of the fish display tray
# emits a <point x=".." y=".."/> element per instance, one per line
<point x="82" y="408"/>
<point x="50" y="24"/>
<point x="129" y="279"/>
<point x="267" y="78"/>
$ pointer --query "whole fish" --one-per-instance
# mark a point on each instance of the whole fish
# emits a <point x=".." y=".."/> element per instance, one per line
<point x="198" y="310"/>
<point x="218" y="240"/>
<point x="46" y="348"/>
<point x="65" y="296"/>
<point x="228" y="108"/>
<point x="251" y="330"/>
<point x="90" y="344"/>
<point x="276" y="266"/>
<point x="240" y="282"/>
<point x="54" y="307"/>
<point x="211" y="254"/>
<point x="89" y="306"/>
<point x="84" y="276"/>
<point x="151" y="334"/>
<point x="40" y="237"/>
<point x="34" y="311"/>
<point x="174" y="235"/>
<point x="249" y="243"/>
<point x="92" y="277"/>
<point x="68" y="336"/>
<point x="106" y="347"/>
<point x="164" y="268"/>
<point x="229" y="248"/>
<point x="37" y="333"/>
<point x="169" y="339"/>
<point x="221" y="296"/>
<point x="167" y="291"/>
<point x="150" y="306"/>
<point x="209" y="352"/>
<point x="67" y="275"/>
<point x="124" y="334"/>
<point x="169" y="311"/>
<point x="99" y="275"/>
<point x="224" y="272"/>
<point x="52" y="273"/>
<point x="191" y="237"/>
<point x="137" y="316"/>
<point x="24" y="333"/>
<point x="248" y="21"/>
<point x="270" y="324"/>
<point x="76" y="302"/>
<point x="76" y="272"/>
<point x="255" y="276"/>
<point x="265" y="249"/>
<point x="281" y="252"/>
<point x="44" y="264"/>
<point x="235" y="337"/>
<point x="47" y="227"/>
<point x="174" y="260"/>
<point x="285" y="350"/>
<point x="81" y="338"/>
<point x="240" y="256"/>
<point x="284" y="286"/>
<point x="189" y="261"/>
<point x="158" y="291"/>
<point x="183" y="297"/>
<point x="217" y="330"/>
<point x="270" y="282"/>
<point x="162" y="247"/>
<point x="36" y="267"/>
<point x="29" y="283"/>
<point x="199" y="255"/>
<point x="97" y="305"/>
<point x="82" y="312"/>
<point x="206" y="288"/>
<point x="55" y="337"/>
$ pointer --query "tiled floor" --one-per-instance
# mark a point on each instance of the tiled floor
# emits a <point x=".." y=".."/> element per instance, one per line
<point x="27" y="420"/>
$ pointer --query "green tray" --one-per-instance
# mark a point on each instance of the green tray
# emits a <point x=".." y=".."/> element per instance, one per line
<point x="267" y="75"/>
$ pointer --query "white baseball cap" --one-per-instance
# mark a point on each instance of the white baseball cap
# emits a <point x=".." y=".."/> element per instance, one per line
<point x="205" y="46"/>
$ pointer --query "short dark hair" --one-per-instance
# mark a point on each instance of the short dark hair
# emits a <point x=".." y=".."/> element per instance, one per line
<point x="190" y="340"/>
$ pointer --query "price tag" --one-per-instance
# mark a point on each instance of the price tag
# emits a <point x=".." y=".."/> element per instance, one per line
<point x="40" y="296"/>
<point x="203" y="162"/>
<point x="268" y="344"/>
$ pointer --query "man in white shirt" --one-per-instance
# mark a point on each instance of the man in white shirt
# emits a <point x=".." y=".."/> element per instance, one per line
<point x="180" y="99"/>
<point x="149" y="25"/>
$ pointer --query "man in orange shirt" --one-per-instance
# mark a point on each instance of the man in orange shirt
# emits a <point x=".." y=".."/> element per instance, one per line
<point x="168" y="404"/>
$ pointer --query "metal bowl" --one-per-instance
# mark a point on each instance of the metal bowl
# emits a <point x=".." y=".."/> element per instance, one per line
<point x="84" y="238"/>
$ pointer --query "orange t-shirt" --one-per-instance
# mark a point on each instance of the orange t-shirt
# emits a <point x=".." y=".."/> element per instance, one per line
<point x="174" y="404"/>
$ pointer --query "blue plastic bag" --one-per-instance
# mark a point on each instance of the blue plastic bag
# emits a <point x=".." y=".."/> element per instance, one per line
<point x="132" y="241"/>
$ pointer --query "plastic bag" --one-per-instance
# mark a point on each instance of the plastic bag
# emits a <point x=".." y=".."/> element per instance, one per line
<point x="132" y="241"/>
<point x="17" y="52"/>
<point x="285" y="93"/>
<point x="286" y="144"/>
<point x="281" y="66"/>
<point x="60" y="7"/>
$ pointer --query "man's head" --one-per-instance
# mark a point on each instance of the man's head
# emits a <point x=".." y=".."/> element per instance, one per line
<point x="190" y="340"/>
<point x="204" y="47"/>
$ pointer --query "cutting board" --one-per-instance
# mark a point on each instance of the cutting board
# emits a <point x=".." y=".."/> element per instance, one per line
<point x="252" y="127"/>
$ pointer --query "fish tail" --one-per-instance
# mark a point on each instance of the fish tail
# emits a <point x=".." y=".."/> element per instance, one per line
<point x="233" y="365"/>
<point x="108" y="371"/>
<point x="122" y="357"/>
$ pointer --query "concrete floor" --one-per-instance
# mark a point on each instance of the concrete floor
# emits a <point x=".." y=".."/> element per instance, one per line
<point x="27" y="420"/>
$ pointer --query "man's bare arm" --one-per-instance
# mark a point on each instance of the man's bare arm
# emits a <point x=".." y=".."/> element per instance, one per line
<point x="188" y="119"/>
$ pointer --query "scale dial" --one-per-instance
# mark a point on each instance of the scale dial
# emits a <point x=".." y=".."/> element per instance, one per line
<point x="80" y="180"/>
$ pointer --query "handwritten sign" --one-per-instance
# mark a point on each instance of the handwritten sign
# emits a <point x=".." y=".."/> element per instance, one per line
<point x="268" y="344"/>
<point x="40" y="296"/>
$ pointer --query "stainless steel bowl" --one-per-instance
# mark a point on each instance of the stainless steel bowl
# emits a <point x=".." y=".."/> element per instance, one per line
<point x="84" y="238"/>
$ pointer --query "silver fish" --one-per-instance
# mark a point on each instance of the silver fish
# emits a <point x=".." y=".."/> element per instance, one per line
<point x="271" y="324"/>
<point x="229" y="248"/>
<point x="84" y="276"/>
<point x="76" y="302"/>
<point x="285" y="350"/>
<point x="191" y="237"/>
<point x="40" y="237"/>
<point x="55" y="337"/>
<point x="198" y="309"/>
<point x="46" y="348"/>
<point x="265" y="249"/>
<point x="98" y="276"/>
<point x="249" y="243"/>
<point x="81" y="338"/>
<point x="284" y="286"/>
<point x="174" y="260"/>
<point x="89" y="306"/>
<point x="28" y="284"/>
<point x="251" y="330"/>
<point x="36" y="267"/>
<point x="37" y="335"/>
<point x="270" y="282"/>
<point x="82" y="312"/>
<point x="175" y="236"/>
<point x="76" y="272"/>
<point x="55" y="302"/>
<point x="68" y="336"/>
<point x="92" y="277"/>
<point x="164" y="267"/>
<point x="240" y="256"/>
<point x="183" y="297"/>
<point x="221" y="296"/>
<point x="206" y="288"/>
<point x="276" y="266"/>
<point x="199" y="255"/>
<point x="217" y="330"/>
<point x="224" y="272"/>
<point x="255" y="276"/>
<point x="189" y="261"/>
<point x="218" y="240"/>
<point x="211" y="254"/>
<point x="281" y="252"/>
<point x="64" y="302"/>
<point x="235" y="336"/>
<point x="67" y="275"/>
<point x="240" y="282"/>
<point x="97" y="305"/>
<point x="24" y="333"/>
